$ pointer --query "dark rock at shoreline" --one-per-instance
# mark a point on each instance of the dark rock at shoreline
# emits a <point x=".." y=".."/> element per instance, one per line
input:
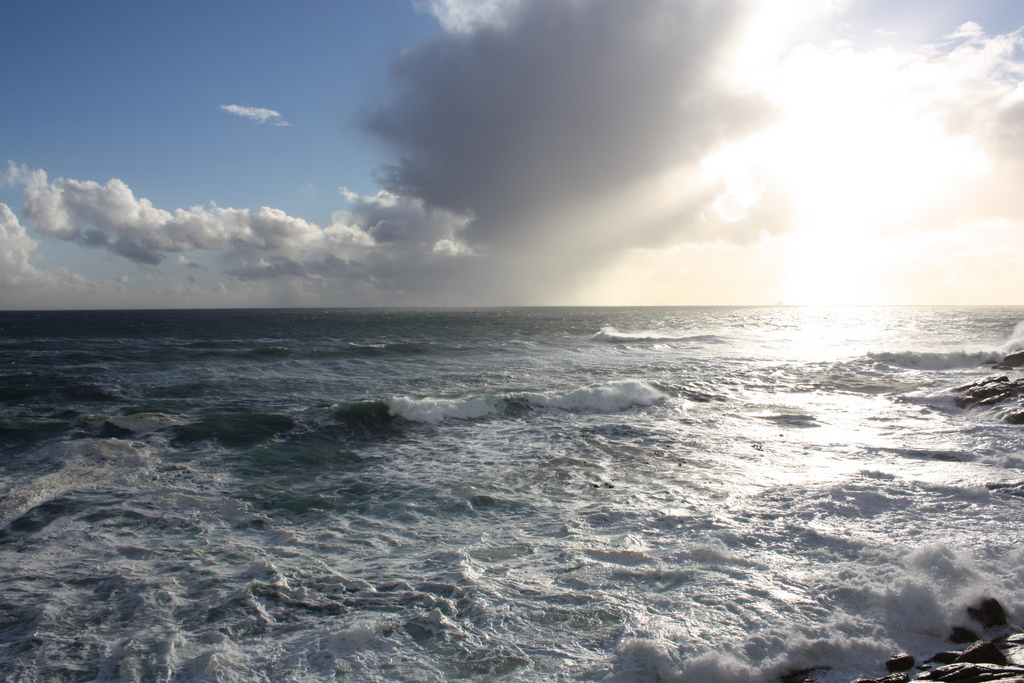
<point x="900" y="662"/>
<point x="803" y="675"/>
<point x="891" y="678"/>
<point x="1011" y="360"/>
<point x="997" y="661"/>
<point x="974" y="673"/>
<point x="989" y="391"/>
<point x="961" y="636"/>
<point x="992" y="391"/>
<point x="982" y="652"/>
<point x="989" y="613"/>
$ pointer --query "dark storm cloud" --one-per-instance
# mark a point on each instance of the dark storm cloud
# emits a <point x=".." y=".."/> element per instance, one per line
<point x="565" y="103"/>
<point x="388" y="219"/>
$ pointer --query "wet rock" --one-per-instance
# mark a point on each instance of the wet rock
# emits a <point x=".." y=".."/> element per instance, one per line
<point x="900" y="662"/>
<point x="1013" y="647"/>
<point x="1014" y="417"/>
<point x="804" y="675"/>
<point x="1012" y="360"/>
<point x="961" y="635"/>
<point x="988" y="391"/>
<point x="982" y="652"/>
<point x="891" y="678"/>
<point x="993" y="391"/>
<point x="974" y="673"/>
<point x="945" y="657"/>
<point x="989" y="613"/>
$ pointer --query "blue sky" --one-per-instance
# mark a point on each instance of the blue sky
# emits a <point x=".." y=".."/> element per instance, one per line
<point x="131" y="90"/>
<point x="510" y="152"/>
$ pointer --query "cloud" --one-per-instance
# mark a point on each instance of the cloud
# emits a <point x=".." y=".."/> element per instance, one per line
<point x="15" y="248"/>
<point x="387" y="218"/>
<point x="256" y="114"/>
<point x="25" y="286"/>
<point x="396" y="244"/>
<point x="111" y="217"/>
<point x="543" y="150"/>
<point x="536" y="141"/>
<point x="560" y="126"/>
<point x="466" y="16"/>
<point x="329" y="267"/>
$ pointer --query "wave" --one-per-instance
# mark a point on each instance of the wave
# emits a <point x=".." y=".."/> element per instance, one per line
<point x="1016" y="341"/>
<point x="141" y="423"/>
<point x="610" y="334"/>
<point x="938" y="360"/>
<point x="951" y="360"/>
<point x="600" y="398"/>
<point x="438" y="409"/>
<point x="603" y="398"/>
<point x="87" y="464"/>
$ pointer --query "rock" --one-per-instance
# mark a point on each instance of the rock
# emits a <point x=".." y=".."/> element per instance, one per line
<point x="1011" y="360"/>
<point x="891" y="678"/>
<point x="946" y="657"/>
<point x="961" y="635"/>
<point x="982" y="652"/>
<point x="1013" y="647"/>
<point x="803" y="675"/>
<point x="989" y="613"/>
<point x="900" y="662"/>
<point x="973" y="673"/>
<point x="983" y="389"/>
<point x="1015" y="417"/>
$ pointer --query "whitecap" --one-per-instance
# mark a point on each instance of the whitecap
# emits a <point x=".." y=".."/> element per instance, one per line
<point x="611" y="334"/>
<point x="88" y="464"/>
<point x="938" y="360"/>
<point x="606" y="398"/>
<point x="437" y="409"/>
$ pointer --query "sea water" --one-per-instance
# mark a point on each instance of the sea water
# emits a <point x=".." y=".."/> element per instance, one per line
<point x="544" y="494"/>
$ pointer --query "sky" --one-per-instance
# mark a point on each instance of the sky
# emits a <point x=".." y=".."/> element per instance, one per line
<point x="510" y="152"/>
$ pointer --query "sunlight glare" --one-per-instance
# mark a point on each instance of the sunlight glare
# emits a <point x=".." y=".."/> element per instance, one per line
<point x="859" y="160"/>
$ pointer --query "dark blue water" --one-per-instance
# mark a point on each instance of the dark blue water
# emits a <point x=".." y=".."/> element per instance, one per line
<point x="713" y="494"/>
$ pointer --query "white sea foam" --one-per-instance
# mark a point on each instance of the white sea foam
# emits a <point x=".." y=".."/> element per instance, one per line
<point x="938" y="360"/>
<point x="437" y="409"/>
<point x="88" y="464"/>
<point x="601" y="398"/>
<point x="1016" y="341"/>
<point x="610" y="334"/>
<point x="605" y="398"/>
<point x="955" y="358"/>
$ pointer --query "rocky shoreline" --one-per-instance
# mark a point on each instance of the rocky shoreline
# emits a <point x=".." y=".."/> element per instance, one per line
<point x="998" y="658"/>
<point x="997" y="392"/>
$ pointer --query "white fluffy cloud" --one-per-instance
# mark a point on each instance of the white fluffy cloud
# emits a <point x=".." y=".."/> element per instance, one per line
<point x="256" y="114"/>
<point x="111" y="217"/>
<point x="393" y="243"/>
<point x="15" y="247"/>
<point x="25" y="286"/>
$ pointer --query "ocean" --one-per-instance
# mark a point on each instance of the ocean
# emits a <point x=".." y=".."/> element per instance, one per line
<point x="523" y="494"/>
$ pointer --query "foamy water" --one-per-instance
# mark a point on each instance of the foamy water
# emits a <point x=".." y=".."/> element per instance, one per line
<point x="695" y="494"/>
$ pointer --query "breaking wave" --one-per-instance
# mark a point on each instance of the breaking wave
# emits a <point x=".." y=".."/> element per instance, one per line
<point x="938" y="360"/>
<point x="610" y="334"/>
<point x="600" y="398"/>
